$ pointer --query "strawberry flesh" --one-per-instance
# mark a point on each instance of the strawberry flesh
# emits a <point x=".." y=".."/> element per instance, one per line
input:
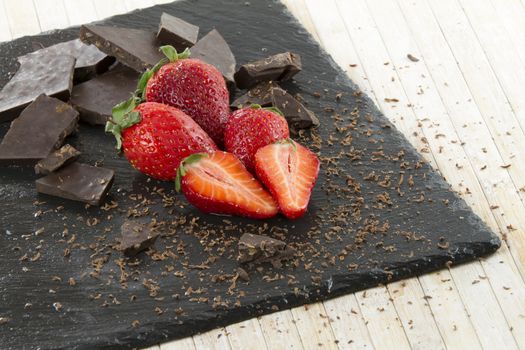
<point x="195" y="87"/>
<point x="162" y="139"/>
<point x="289" y="171"/>
<point x="220" y="184"/>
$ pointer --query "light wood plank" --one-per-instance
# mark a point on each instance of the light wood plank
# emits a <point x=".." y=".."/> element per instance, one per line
<point x="213" y="340"/>
<point x="314" y="327"/>
<point x="449" y="312"/>
<point x="51" y="14"/>
<point x="22" y="18"/>
<point x="246" y="333"/>
<point x="415" y="315"/>
<point x="106" y="8"/>
<point x="501" y="53"/>
<point x="80" y="11"/>
<point x="5" y="31"/>
<point x="280" y="331"/>
<point x="181" y="344"/>
<point x="137" y="4"/>
<point x="382" y="320"/>
<point x="154" y="347"/>
<point x="348" y="323"/>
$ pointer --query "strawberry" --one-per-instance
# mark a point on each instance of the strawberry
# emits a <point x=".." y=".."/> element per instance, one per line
<point x="195" y="87"/>
<point x="218" y="183"/>
<point x="155" y="138"/>
<point x="289" y="171"/>
<point x="251" y="128"/>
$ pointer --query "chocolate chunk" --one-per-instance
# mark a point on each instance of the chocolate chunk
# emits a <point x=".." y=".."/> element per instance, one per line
<point x="176" y="32"/>
<point x="297" y="115"/>
<point x="133" y="47"/>
<point x="260" y="249"/>
<point x="40" y="129"/>
<point x="243" y="275"/>
<point x="261" y="94"/>
<point x="57" y="159"/>
<point x="137" y="236"/>
<point x="279" y="67"/>
<point x="50" y="74"/>
<point x="90" y="61"/>
<point x="270" y="94"/>
<point x="95" y="98"/>
<point x="214" y="50"/>
<point x="78" y="182"/>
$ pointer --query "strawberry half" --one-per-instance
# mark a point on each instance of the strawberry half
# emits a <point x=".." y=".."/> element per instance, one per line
<point x="218" y="183"/>
<point x="192" y="85"/>
<point x="155" y="138"/>
<point x="289" y="171"/>
<point x="251" y="128"/>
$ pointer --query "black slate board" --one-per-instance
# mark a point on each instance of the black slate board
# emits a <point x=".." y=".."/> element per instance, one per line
<point x="345" y="250"/>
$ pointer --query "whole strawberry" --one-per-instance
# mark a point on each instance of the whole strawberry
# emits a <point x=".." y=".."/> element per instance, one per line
<point x="195" y="87"/>
<point x="155" y="138"/>
<point x="251" y="128"/>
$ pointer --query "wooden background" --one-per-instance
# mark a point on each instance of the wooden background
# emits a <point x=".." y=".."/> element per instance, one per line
<point x="462" y="105"/>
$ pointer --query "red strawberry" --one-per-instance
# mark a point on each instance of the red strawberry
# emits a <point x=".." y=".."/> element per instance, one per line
<point x="155" y="138"/>
<point x="191" y="85"/>
<point x="251" y="128"/>
<point x="218" y="183"/>
<point x="289" y="171"/>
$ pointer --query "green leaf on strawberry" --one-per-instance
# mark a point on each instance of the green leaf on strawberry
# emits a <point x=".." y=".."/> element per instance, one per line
<point x="181" y="171"/>
<point x="123" y="117"/>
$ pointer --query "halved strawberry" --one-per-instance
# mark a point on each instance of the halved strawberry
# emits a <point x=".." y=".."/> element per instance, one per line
<point x="218" y="183"/>
<point x="289" y="171"/>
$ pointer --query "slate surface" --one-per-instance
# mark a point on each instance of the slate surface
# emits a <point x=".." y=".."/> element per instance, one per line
<point x="349" y="243"/>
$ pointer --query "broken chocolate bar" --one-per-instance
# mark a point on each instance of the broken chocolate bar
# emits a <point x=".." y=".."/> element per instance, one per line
<point x="90" y="61"/>
<point x="261" y="95"/>
<point x="50" y="74"/>
<point x="95" y="98"/>
<point x="78" y="182"/>
<point x="40" y="129"/>
<point x="137" y="236"/>
<point x="133" y="47"/>
<point x="176" y="32"/>
<point x="279" y="67"/>
<point x="57" y="159"/>
<point x="214" y="50"/>
<point x="259" y="249"/>
<point x="297" y="115"/>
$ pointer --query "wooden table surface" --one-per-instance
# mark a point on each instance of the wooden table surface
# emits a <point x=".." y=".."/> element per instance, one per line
<point x="462" y="105"/>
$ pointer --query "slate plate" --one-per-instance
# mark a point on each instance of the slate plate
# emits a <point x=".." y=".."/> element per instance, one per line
<point x="364" y="226"/>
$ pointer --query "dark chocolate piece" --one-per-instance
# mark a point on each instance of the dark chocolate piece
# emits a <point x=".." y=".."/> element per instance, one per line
<point x="40" y="129"/>
<point x="95" y="98"/>
<point x="57" y="159"/>
<point x="279" y="67"/>
<point x="135" y="48"/>
<point x="259" y="249"/>
<point x="176" y="32"/>
<point x="90" y="61"/>
<point x="50" y="74"/>
<point x="214" y="50"/>
<point x="297" y="115"/>
<point x="137" y="236"/>
<point x="261" y="94"/>
<point x="78" y="182"/>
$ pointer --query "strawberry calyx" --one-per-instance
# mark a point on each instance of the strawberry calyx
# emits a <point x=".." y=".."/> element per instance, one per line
<point x="271" y="109"/>
<point x="122" y="117"/>
<point x="181" y="171"/>
<point x="171" y="56"/>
